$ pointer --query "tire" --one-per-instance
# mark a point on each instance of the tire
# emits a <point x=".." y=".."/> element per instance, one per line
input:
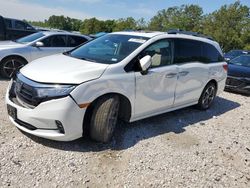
<point x="104" y="118"/>
<point x="207" y="97"/>
<point x="10" y="66"/>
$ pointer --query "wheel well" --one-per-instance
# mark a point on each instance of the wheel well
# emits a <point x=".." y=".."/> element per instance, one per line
<point x="124" y="111"/>
<point x="16" y="56"/>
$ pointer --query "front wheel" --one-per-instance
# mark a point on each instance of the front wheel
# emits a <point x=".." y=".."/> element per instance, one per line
<point x="104" y="118"/>
<point x="10" y="66"/>
<point x="207" y="97"/>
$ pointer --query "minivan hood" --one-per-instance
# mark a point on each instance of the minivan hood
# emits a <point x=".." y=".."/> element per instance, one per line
<point x="62" y="69"/>
<point x="10" y="44"/>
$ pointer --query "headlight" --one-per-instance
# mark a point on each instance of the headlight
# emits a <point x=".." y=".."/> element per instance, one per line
<point x="55" y="91"/>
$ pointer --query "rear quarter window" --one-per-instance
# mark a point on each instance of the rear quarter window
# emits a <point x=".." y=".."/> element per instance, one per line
<point x="20" y="25"/>
<point x="211" y="54"/>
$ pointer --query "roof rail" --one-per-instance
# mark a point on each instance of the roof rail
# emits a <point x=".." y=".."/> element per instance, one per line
<point x="196" y="34"/>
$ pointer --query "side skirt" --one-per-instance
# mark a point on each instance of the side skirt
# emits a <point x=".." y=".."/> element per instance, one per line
<point x="162" y="112"/>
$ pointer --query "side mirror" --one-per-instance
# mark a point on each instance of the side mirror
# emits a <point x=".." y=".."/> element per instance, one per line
<point x="39" y="44"/>
<point x="145" y="63"/>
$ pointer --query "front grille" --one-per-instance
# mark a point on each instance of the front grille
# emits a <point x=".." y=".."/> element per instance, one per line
<point x="23" y="94"/>
<point x="233" y="82"/>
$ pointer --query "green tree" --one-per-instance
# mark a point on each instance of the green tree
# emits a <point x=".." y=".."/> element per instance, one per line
<point x="59" y="22"/>
<point x="39" y="23"/>
<point x="75" y="24"/>
<point x="185" y="17"/>
<point x="141" y="24"/>
<point x="91" y="26"/>
<point x="230" y="26"/>
<point x="108" y="26"/>
<point x="125" y="24"/>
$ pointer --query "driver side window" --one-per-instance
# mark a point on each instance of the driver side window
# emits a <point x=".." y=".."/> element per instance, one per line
<point x="160" y="52"/>
<point x="55" y="41"/>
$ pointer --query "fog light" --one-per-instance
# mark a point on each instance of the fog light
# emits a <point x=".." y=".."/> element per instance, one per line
<point x="60" y="126"/>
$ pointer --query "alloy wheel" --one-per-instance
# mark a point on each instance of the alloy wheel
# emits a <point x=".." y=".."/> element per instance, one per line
<point x="208" y="96"/>
<point x="11" y="66"/>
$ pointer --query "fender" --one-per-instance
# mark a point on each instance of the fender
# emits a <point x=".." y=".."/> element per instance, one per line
<point x="89" y="91"/>
<point x="14" y="55"/>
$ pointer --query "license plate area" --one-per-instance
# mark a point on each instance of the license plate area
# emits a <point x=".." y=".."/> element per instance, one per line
<point x="12" y="112"/>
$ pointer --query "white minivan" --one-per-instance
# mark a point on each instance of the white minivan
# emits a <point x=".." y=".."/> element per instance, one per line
<point x="122" y="75"/>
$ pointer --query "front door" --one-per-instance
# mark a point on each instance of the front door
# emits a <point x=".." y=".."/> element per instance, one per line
<point x="155" y="91"/>
<point x="52" y="45"/>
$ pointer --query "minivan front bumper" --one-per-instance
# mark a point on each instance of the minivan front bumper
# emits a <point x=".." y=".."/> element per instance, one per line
<point x="42" y="121"/>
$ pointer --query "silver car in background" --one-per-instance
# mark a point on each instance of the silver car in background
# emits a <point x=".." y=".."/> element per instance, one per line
<point x="15" y="54"/>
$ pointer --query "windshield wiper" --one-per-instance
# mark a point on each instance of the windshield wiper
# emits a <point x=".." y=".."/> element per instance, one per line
<point x="82" y="58"/>
<point x="86" y="59"/>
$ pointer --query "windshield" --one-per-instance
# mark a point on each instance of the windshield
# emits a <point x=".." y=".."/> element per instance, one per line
<point x="242" y="61"/>
<point x="30" y="38"/>
<point x="108" y="49"/>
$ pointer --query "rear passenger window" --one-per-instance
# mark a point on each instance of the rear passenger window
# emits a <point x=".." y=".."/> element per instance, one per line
<point x="74" y="41"/>
<point x="193" y="51"/>
<point x="187" y="51"/>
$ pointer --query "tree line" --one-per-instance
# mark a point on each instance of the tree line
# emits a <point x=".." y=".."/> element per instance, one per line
<point x="229" y="25"/>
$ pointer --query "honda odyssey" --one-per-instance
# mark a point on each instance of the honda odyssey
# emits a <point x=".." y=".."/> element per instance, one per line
<point x="122" y="75"/>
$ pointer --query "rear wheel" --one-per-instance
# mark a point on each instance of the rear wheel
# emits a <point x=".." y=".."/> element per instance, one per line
<point x="104" y="118"/>
<point x="207" y="96"/>
<point x="10" y="66"/>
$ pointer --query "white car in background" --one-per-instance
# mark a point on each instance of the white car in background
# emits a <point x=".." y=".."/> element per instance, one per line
<point x="123" y="75"/>
<point x="16" y="54"/>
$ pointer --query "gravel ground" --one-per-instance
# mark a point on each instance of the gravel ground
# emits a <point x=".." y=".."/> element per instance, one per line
<point x="185" y="148"/>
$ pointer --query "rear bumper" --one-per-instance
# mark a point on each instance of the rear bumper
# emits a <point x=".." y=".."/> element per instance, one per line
<point x="240" y="85"/>
<point x="243" y="90"/>
<point x="41" y="121"/>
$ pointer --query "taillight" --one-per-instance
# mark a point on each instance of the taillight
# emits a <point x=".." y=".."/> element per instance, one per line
<point x="225" y="67"/>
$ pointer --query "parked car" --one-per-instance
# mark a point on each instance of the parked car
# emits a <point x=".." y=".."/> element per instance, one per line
<point x="123" y="75"/>
<point x="239" y="74"/>
<point x="15" y="54"/>
<point x="11" y="29"/>
<point x="234" y="53"/>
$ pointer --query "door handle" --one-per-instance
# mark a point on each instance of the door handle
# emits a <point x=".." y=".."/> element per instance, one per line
<point x="183" y="73"/>
<point x="171" y="75"/>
